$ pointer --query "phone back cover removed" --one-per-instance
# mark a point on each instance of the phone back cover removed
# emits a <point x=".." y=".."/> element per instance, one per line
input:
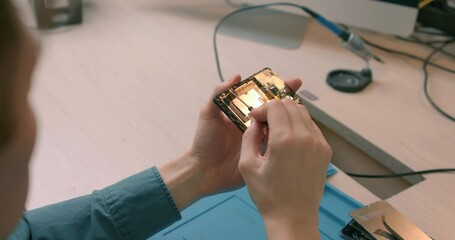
<point x="233" y="215"/>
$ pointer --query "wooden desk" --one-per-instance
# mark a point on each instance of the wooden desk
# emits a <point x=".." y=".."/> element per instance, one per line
<point x="122" y="92"/>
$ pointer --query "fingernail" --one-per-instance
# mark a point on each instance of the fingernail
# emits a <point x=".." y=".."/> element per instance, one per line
<point x="236" y="76"/>
<point x="252" y="122"/>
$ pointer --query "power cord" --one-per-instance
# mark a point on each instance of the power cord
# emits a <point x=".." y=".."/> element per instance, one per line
<point x="426" y="61"/>
<point x="243" y="9"/>
<point x="425" y="81"/>
<point x="430" y="44"/>
<point x="350" y="40"/>
<point x="434" y="33"/>
<point x="409" y="55"/>
<point x="397" y="175"/>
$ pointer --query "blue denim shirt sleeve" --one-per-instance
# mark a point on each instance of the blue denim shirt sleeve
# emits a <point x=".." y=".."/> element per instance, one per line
<point x="134" y="208"/>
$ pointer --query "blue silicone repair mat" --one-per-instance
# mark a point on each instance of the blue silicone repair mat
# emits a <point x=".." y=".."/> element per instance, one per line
<point x="233" y="215"/>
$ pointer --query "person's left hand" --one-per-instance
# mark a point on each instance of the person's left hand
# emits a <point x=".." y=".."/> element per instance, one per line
<point x="211" y="164"/>
<point x="217" y="142"/>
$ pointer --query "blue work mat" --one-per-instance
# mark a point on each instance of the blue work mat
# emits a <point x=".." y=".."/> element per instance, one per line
<point x="233" y="215"/>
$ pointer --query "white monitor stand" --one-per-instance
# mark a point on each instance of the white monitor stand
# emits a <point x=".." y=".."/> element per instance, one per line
<point x="387" y="16"/>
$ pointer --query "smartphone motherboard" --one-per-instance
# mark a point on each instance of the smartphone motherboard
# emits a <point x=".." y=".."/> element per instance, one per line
<point x="258" y="89"/>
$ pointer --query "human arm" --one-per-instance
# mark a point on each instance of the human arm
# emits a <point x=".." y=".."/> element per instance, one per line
<point x="150" y="196"/>
<point x="287" y="181"/>
<point x="209" y="166"/>
<point x="145" y="201"/>
<point x="135" y="208"/>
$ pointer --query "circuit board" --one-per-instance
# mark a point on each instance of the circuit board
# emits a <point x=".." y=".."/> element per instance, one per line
<point x="238" y="101"/>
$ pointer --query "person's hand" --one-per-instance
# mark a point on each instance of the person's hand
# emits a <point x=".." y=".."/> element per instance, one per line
<point x="287" y="181"/>
<point x="211" y="164"/>
<point x="217" y="143"/>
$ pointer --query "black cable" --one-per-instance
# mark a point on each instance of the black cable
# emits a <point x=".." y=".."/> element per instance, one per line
<point x="396" y="175"/>
<point x="389" y="50"/>
<point x="243" y="9"/>
<point x="418" y="40"/>
<point x="394" y="233"/>
<point x="443" y="34"/>
<point x="334" y="28"/>
<point x="430" y="44"/>
<point x="425" y="69"/>
<point x="425" y="81"/>
<point x="426" y="61"/>
<point x="394" y="51"/>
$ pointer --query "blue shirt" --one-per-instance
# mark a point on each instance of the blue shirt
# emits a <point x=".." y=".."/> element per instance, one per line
<point x="134" y="208"/>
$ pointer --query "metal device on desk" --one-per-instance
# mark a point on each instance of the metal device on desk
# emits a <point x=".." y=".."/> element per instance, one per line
<point x="380" y="221"/>
<point x="53" y="13"/>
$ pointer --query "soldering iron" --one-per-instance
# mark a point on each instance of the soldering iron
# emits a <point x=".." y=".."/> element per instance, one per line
<point x="342" y="80"/>
<point x="350" y="40"/>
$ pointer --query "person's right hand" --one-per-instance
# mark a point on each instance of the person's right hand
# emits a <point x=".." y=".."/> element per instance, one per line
<point x="287" y="181"/>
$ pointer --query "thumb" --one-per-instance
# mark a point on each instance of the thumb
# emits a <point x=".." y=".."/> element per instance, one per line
<point x="251" y="147"/>
<point x="211" y="110"/>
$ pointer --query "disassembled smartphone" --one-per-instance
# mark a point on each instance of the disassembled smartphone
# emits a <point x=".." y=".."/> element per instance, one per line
<point x="238" y="101"/>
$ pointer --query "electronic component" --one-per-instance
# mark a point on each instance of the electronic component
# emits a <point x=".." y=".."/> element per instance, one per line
<point x="355" y="231"/>
<point x="380" y="221"/>
<point x="357" y="46"/>
<point x="238" y="101"/>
